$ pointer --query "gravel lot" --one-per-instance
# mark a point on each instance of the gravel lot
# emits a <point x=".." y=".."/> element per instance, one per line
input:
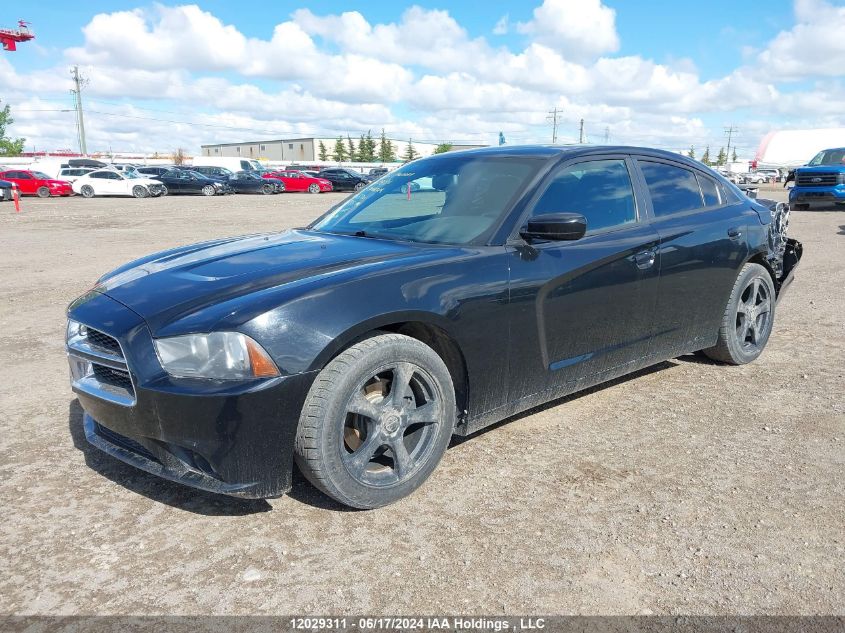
<point x="688" y="488"/>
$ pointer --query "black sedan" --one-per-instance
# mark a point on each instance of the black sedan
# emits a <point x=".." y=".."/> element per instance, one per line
<point x="184" y="181"/>
<point x="345" y="179"/>
<point x="359" y="345"/>
<point x="251" y="182"/>
<point x="6" y="190"/>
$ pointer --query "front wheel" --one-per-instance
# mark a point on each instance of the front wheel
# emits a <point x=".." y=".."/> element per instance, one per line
<point x="376" y="422"/>
<point x="359" y="186"/>
<point x="43" y="192"/>
<point x="139" y="191"/>
<point x="87" y="191"/>
<point x="267" y="189"/>
<point x="208" y="190"/>
<point x="748" y="318"/>
<point x="314" y="188"/>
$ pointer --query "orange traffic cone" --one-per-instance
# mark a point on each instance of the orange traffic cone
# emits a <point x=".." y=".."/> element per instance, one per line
<point x="17" y="198"/>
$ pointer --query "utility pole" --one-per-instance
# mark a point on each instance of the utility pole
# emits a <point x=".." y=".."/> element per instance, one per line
<point x="730" y="132"/>
<point x="607" y="135"/>
<point x="553" y="118"/>
<point x="79" y="82"/>
<point x="581" y="134"/>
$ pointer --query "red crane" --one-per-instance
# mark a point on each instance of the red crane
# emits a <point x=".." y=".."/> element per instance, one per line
<point x="9" y="38"/>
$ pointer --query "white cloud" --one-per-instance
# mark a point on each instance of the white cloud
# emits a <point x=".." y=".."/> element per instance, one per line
<point x="423" y="75"/>
<point x="502" y="25"/>
<point x="814" y="47"/>
<point x="579" y="29"/>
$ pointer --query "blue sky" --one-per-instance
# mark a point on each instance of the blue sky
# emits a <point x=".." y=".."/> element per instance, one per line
<point x="657" y="73"/>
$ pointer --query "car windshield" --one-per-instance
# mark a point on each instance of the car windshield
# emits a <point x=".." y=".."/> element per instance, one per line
<point x="829" y="157"/>
<point x="131" y="174"/>
<point x="441" y="200"/>
<point x="41" y="175"/>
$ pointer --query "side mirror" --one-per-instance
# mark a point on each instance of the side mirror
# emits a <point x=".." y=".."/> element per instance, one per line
<point x="555" y="226"/>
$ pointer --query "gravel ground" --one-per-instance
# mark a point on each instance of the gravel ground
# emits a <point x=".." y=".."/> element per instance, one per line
<point x="690" y="487"/>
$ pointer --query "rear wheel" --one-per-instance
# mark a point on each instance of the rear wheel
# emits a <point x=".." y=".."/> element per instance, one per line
<point x="748" y="319"/>
<point x="87" y="191"/>
<point x="376" y="422"/>
<point x="314" y="188"/>
<point x="359" y="186"/>
<point x="43" y="192"/>
<point x="163" y="191"/>
<point x="208" y="190"/>
<point x="139" y="191"/>
<point x="267" y="189"/>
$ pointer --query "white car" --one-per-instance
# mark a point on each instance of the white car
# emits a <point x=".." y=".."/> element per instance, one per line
<point x="108" y="182"/>
<point x="72" y="173"/>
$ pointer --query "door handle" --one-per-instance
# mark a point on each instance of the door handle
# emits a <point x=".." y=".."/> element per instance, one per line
<point x="734" y="233"/>
<point x="645" y="259"/>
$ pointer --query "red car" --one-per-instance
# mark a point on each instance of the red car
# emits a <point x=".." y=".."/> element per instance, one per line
<point x="297" y="181"/>
<point x="36" y="183"/>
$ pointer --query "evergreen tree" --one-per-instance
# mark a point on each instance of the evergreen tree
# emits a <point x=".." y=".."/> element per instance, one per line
<point x="339" y="150"/>
<point x="734" y="159"/>
<point x="410" y="153"/>
<point x="9" y="146"/>
<point x="722" y="157"/>
<point x="386" y="152"/>
<point x="691" y="152"/>
<point x="443" y="148"/>
<point x="324" y="153"/>
<point x="353" y="155"/>
<point x="367" y="148"/>
<point x="705" y="158"/>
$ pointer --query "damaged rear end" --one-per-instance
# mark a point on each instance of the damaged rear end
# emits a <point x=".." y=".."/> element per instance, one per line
<point x="784" y="252"/>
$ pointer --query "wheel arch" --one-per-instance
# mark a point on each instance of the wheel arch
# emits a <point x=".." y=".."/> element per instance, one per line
<point x="426" y="328"/>
<point x="760" y="258"/>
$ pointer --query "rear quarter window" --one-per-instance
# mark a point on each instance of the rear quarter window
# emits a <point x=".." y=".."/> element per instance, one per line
<point x="709" y="190"/>
<point x="673" y="189"/>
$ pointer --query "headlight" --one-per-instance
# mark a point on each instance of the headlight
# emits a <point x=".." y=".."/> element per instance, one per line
<point x="75" y="330"/>
<point x="840" y="179"/>
<point x="219" y="355"/>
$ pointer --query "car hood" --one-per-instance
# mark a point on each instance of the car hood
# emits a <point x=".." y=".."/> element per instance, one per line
<point x="823" y="169"/>
<point x="168" y="286"/>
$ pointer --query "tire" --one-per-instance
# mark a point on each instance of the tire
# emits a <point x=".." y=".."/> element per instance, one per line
<point x="209" y="190"/>
<point x="87" y="191"/>
<point x="748" y="318"/>
<point x="139" y="191"/>
<point x="364" y="444"/>
<point x="43" y="192"/>
<point x="359" y="186"/>
<point x="163" y="190"/>
<point x="267" y="189"/>
<point x="314" y="188"/>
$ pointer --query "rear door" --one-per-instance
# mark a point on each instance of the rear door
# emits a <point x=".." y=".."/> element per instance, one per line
<point x="702" y="229"/>
<point x="583" y="309"/>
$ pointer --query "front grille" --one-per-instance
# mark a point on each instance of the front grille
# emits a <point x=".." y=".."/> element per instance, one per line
<point x="103" y="342"/>
<point x="99" y="368"/>
<point x="124" y="442"/>
<point x="816" y="180"/>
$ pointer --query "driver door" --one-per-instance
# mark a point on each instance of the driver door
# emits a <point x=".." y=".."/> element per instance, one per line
<point x="582" y="310"/>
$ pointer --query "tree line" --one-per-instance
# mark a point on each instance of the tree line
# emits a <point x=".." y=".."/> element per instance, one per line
<point x="368" y="150"/>
<point x="721" y="158"/>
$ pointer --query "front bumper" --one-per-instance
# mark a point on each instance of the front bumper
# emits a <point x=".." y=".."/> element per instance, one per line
<point x="817" y="196"/>
<point x="228" y="437"/>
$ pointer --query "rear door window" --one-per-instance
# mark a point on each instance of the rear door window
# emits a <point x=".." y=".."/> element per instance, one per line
<point x="673" y="189"/>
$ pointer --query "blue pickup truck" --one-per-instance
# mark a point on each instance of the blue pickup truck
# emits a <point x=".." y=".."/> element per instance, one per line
<point x="821" y="182"/>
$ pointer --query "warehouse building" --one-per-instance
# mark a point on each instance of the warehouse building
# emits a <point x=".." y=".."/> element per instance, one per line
<point x="306" y="149"/>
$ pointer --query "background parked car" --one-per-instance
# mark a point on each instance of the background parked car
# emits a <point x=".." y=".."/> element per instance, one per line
<point x="70" y="174"/>
<point x="183" y="181"/>
<point x="344" y="179"/>
<point x="250" y="182"/>
<point x="377" y="172"/>
<point x="6" y="190"/>
<point x="110" y="182"/>
<point x="35" y="183"/>
<point x="151" y="171"/>
<point x="298" y="181"/>
<point x="212" y="171"/>
<point x="755" y="178"/>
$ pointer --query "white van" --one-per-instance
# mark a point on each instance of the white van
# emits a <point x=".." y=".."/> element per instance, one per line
<point x="232" y="163"/>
